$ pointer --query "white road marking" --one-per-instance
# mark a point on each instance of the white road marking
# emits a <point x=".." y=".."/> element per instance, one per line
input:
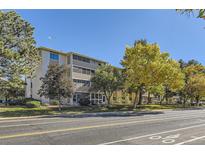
<point x="193" y="137"/>
<point x="191" y="140"/>
<point x="172" y="136"/>
<point x="168" y="141"/>
<point x="155" y="137"/>
<point x="148" y="135"/>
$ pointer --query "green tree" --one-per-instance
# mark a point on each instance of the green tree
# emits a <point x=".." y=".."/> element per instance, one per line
<point x="107" y="79"/>
<point x="18" y="54"/>
<point x="56" y="84"/>
<point x="12" y="88"/>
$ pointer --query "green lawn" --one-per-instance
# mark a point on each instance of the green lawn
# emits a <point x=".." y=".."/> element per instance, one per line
<point x="45" y="110"/>
<point x="23" y="111"/>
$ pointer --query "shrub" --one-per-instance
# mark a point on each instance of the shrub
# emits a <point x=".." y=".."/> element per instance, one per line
<point x="33" y="104"/>
<point x="54" y="102"/>
<point x="15" y="103"/>
<point x="84" y="102"/>
<point x="44" y="104"/>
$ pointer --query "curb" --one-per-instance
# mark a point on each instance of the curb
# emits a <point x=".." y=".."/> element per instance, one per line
<point x="107" y="114"/>
<point x="98" y="114"/>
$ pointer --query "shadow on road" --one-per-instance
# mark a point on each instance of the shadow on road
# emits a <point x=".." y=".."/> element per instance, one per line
<point x="107" y="115"/>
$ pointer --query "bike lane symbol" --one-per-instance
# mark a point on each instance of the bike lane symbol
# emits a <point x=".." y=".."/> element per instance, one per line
<point x="167" y="140"/>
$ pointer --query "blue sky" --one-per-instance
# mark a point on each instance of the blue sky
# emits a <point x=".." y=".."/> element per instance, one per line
<point x="104" y="34"/>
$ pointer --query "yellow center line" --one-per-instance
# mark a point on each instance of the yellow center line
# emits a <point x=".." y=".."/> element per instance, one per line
<point x="83" y="127"/>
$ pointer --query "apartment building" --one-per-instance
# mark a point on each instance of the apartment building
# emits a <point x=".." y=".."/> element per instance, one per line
<point x="81" y="68"/>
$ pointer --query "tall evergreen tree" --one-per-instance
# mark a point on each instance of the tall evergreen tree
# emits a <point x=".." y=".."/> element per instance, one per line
<point x="18" y="55"/>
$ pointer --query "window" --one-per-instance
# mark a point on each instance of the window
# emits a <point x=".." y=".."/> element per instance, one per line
<point x="92" y="102"/>
<point x="75" y="57"/>
<point x="92" y="96"/>
<point x="77" y="69"/>
<point x="83" y="70"/>
<point x="103" y="98"/>
<point x="54" y="56"/>
<point x="96" y="96"/>
<point x="79" y="58"/>
<point x="83" y="82"/>
<point x="75" y="98"/>
<point x="88" y="71"/>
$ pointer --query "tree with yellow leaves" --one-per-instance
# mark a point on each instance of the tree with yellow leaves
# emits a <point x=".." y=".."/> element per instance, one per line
<point x="146" y="66"/>
<point x="195" y="82"/>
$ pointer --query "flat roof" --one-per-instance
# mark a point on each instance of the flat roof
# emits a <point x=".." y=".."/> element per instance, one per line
<point x="67" y="53"/>
<point x="52" y="50"/>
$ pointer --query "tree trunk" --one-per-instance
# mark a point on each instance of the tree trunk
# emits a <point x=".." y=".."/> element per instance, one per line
<point x="108" y="97"/>
<point x="161" y="100"/>
<point x="184" y="102"/>
<point x="149" y="99"/>
<point x="140" y="97"/>
<point x="31" y="88"/>
<point x="135" y="101"/>
<point x="180" y="99"/>
<point x="166" y="98"/>
<point x="192" y="101"/>
<point x="108" y="101"/>
<point x="197" y="100"/>
<point x="6" y="103"/>
<point x="59" y="105"/>
<point x="166" y="95"/>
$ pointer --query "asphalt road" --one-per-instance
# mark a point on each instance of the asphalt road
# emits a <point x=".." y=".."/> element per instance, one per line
<point x="169" y="127"/>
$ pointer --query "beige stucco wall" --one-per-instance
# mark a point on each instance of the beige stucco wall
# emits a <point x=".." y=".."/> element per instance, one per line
<point x="40" y="72"/>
